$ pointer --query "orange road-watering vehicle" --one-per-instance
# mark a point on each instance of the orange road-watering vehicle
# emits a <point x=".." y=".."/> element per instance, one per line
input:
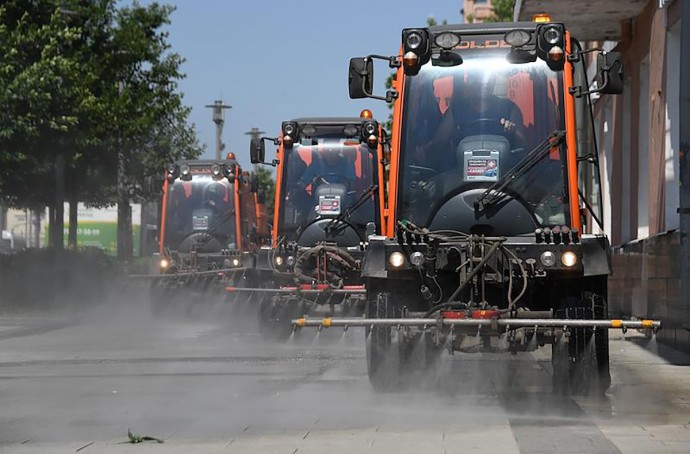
<point x="211" y="226"/>
<point x="494" y="204"/>
<point x="327" y="204"/>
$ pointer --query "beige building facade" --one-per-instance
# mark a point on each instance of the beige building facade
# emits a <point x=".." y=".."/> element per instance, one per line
<point x="476" y="10"/>
<point x="643" y="139"/>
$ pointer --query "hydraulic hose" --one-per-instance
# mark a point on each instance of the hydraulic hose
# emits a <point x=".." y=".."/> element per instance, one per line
<point x="494" y="247"/>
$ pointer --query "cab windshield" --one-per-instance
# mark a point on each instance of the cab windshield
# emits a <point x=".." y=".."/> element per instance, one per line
<point x="202" y="205"/>
<point x="466" y="126"/>
<point x="322" y="178"/>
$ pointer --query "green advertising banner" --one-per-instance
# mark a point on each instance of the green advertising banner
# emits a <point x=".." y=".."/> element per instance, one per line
<point x="97" y="227"/>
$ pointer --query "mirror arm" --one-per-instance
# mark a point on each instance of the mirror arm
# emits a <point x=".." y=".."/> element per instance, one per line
<point x="577" y="91"/>
<point x="393" y="62"/>
<point x="575" y="56"/>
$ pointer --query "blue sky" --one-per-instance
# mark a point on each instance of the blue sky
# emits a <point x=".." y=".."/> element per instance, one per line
<point x="275" y="60"/>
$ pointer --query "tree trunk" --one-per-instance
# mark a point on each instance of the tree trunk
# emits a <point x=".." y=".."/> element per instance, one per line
<point x="73" y="220"/>
<point x="124" y="229"/>
<point x="124" y="212"/>
<point x="59" y="201"/>
<point x="36" y="215"/>
<point x="51" y="226"/>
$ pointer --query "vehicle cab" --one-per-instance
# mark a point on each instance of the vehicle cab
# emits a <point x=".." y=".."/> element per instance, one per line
<point x="209" y="218"/>
<point x="328" y="175"/>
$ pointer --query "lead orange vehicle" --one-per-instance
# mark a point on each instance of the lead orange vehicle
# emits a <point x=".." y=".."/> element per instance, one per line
<point x="493" y="240"/>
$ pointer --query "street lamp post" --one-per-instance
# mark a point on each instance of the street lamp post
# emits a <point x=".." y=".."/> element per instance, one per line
<point x="219" y="119"/>
<point x="254" y="133"/>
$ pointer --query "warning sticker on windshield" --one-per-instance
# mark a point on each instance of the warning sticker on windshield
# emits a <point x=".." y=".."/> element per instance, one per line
<point x="329" y="205"/>
<point x="200" y="222"/>
<point x="481" y="169"/>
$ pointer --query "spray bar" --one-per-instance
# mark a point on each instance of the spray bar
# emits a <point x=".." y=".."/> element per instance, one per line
<point x="335" y="291"/>
<point x="218" y="272"/>
<point x="507" y="322"/>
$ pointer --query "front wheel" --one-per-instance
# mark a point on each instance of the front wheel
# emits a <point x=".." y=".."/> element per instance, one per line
<point x="384" y="343"/>
<point x="580" y="359"/>
<point x="276" y="314"/>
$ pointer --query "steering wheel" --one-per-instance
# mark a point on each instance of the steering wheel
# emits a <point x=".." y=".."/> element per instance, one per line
<point x="494" y="126"/>
<point x="331" y="178"/>
<point x="423" y="171"/>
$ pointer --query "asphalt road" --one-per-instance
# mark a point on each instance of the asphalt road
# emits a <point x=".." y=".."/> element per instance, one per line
<point x="206" y="382"/>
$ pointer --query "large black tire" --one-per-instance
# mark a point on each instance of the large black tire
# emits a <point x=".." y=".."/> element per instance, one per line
<point x="275" y="316"/>
<point x="384" y="352"/>
<point x="421" y="358"/>
<point x="581" y="362"/>
<point x="158" y="296"/>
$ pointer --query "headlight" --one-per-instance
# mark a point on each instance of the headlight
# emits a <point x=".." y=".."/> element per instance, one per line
<point x="164" y="263"/>
<point x="289" y="128"/>
<point x="548" y="258"/>
<point x="235" y="262"/>
<point x="517" y="38"/>
<point x="309" y="130"/>
<point x="396" y="259"/>
<point x="447" y="40"/>
<point x="279" y="260"/>
<point x="552" y="35"/>
<point x="417" y="259"/>
<point x="370" y="127"/>
<point x="185" y="172"/>
<point x="172" y="173"/>
<point x="229" y="171"/>
<point x="216" y="171"/>
<point x="569" y="258"/>
<point x="414" y="40"/>
<point x="349" y="131"/>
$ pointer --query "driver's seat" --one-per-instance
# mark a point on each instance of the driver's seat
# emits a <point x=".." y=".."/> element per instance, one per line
<point x="483" y="157"/>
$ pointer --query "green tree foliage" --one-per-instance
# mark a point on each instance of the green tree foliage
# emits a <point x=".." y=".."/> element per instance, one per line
<point x="267" y="187"/>
<point x="502" y="11"/>
<point x="88" y="78"/>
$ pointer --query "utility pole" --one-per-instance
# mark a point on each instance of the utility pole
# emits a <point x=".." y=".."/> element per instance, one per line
<point x="254" y="133"/>
<point x="219" y="119"/>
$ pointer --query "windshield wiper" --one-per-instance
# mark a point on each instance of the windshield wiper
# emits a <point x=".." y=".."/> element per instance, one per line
<point x="353" y="206"/>
<point x="495" y="192"/>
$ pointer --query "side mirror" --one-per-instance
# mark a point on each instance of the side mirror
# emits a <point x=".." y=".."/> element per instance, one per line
<point x="361" y="77"/>
<point x="609" y="73"/>
<point x="257" y="151"/>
